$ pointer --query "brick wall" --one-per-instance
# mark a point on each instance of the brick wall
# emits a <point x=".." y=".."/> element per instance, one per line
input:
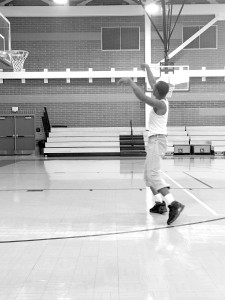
<point x="75" y="43"/>
<point x="198" y="106"/>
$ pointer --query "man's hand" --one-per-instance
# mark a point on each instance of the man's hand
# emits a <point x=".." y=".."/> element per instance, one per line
<point x="144" y="66"/>
<point x="124" y="80"/>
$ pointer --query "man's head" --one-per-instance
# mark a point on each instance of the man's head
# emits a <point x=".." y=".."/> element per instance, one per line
<point x="161" y="89"/>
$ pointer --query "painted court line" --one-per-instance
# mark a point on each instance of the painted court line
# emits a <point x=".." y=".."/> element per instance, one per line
<point x="192" y="196"/>
<point x="103" y="234"/>
<point x="199" y="180"/>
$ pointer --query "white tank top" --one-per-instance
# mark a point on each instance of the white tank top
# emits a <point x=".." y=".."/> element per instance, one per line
<point x="158" y="124"/>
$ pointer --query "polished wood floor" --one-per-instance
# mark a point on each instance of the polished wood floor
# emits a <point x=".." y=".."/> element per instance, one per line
<point x="81" y="229"/>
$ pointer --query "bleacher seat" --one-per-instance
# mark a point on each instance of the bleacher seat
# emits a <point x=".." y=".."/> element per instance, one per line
<point x="218" y="147"/>
<point x="205" y="139"/>
<point x="206" y="128"/>
<point x="176" y="128"/>
<point x="67" y="140"/>
<point x="219" y="150"/>
<point x="78" y="141"/>
<point x="218" y="143"/>
<point x="176" y="132"/>
<point x="178" y="140"/>
<point x="205" y="133"/>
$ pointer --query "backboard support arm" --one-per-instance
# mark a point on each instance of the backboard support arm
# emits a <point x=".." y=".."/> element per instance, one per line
<point x="167" y="24"/>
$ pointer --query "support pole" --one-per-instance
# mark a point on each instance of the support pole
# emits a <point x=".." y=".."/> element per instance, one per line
<point x="165" y="37"/>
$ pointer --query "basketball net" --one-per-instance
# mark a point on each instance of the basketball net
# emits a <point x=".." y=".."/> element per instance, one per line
<point x="17" y="58"/>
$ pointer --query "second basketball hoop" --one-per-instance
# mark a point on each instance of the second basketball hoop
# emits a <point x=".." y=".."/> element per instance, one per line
<point x="17" y="58"/>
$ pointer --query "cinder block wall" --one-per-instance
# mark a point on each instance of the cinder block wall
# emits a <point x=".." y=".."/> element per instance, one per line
<point x="75" y="43"/>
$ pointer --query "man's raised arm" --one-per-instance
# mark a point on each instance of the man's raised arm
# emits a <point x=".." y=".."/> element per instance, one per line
<point x="151" y="78"/>
<point x="152" y="101"/>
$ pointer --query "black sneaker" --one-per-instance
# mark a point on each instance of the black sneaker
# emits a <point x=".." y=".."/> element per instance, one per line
<point x="159" y="208"/>
<point x="175" y="210"/>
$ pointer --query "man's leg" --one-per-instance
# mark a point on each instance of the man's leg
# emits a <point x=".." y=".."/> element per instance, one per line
<point x="160" y="205"/>
<point x="166" y="194"/>
<point x="150" y="172"/>
<point x="158" y="149"/>
<point x="157" y="195"/>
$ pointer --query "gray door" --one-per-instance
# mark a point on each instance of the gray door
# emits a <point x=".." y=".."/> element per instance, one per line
<point x="25" y="134"/>
<point x="7" y="134"/>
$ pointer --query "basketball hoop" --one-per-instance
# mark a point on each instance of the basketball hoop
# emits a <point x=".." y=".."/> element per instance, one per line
<point x="17" y="58"/>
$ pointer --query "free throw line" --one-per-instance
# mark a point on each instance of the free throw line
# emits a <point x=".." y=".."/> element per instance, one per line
<point x="191" y="195"/>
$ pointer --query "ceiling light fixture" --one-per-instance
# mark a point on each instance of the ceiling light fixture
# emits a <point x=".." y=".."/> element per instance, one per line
<point x="152" y="8"/>
<point x="60" y="2"/>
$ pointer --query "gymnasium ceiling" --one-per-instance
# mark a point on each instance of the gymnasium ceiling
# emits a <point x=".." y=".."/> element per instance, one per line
<point x="98" y="2"/>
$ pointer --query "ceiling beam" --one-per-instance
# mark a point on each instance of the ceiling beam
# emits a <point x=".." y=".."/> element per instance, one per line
<point x="81" y="2"/>
<point x="192" y="38"/>
<point x="213" y="1"/>
<point x="131" y="2"/>
<point x="111" y="10"/>
<point x="49" y="2"/>
<point x="72" y="11"/>
<point x="5" y="2"/>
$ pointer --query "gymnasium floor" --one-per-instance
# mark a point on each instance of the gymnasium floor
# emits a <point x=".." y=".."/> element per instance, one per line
<point x="80" y="229"/>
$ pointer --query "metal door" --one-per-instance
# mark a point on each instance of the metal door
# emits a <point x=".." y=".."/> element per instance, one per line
<point x="7" y="134"/>
<point x="25" y="134"/>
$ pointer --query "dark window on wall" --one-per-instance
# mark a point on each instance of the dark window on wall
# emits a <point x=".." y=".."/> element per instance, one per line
<point x="110" y="38"/>
<point x="130" y="38"/>
<point x="121" y="38"/>
<point x="187" y="33"/>
<point x="209" y="38"/>
<point x="206" y="40"/>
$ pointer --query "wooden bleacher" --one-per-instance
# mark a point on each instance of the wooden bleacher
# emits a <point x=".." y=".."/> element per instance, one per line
<point x="107" y="140"/>
<point x="178" y="139"/>
<point x="205" y="139"/>
<point x="176" y="135"/>
<point x="218" y="147"/>
<point x="202" y="139"/>
<point x="176" y="129"/>
<point x="87" y="141"/>
<point x="102" y="141"/>
<point x="207" y="135"/>
<point x="205" y="128"/>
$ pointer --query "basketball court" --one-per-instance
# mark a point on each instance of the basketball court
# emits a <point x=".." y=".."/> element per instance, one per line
<point x="79" y="227"/>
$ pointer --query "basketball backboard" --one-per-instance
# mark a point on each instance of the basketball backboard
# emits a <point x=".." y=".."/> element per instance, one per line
<point x="176" y="76"/>
<point x="5" y="39"/>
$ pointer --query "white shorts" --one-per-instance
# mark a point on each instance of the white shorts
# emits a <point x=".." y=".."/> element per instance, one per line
<point x="156" y="149"/>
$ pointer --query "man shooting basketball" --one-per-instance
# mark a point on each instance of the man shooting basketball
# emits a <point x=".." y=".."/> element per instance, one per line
<point x="157" y="144"/>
